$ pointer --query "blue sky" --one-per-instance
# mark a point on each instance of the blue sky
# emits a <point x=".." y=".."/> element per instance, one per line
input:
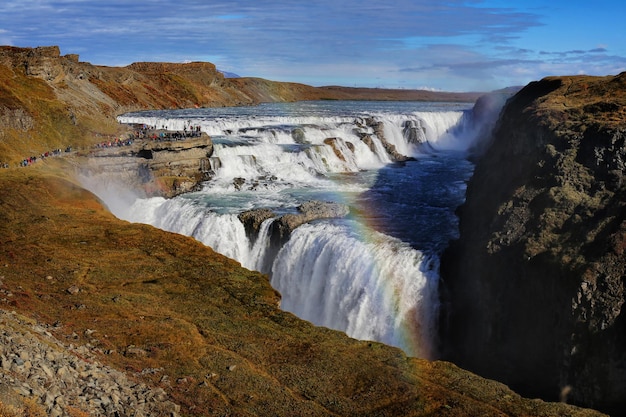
<point x="448" y="45"/>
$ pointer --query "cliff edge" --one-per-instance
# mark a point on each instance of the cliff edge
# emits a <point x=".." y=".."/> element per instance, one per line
<point x="535" y="284"/>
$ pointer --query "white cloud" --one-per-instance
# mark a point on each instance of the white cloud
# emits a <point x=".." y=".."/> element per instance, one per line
<point x="407" y="42"/>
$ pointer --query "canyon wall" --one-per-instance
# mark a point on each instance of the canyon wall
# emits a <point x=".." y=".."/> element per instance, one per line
<point x="534" y="288"/>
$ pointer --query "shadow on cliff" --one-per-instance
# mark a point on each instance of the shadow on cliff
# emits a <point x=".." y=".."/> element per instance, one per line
<point x="534" y="288"/>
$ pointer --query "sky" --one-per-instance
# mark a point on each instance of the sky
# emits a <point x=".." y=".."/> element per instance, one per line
<point x="447" y="45"/>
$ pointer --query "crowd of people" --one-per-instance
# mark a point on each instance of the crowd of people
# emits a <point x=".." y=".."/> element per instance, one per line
<point x="114" y="143"/>
<point x="146" y="132"/>
<point x="152" y="133"/>
<point x="33" y="159"/>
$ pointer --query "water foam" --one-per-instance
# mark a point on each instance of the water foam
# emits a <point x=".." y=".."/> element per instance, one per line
<point x="369" y="285"/>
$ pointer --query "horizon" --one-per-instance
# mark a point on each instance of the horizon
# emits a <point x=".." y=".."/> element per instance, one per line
<point x="459" y="46"/>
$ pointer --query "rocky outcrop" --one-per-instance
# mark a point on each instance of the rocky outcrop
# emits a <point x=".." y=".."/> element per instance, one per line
<point x="66" y="380"/>
<point x="153" y="167"/>
<point x="308" y="212"/>
<point x="534" y="287"/>
<point x="338" y="145"/>
<point x="252" y="220"/>
<point x="16" y="119"/>
<point x="38" y="62"/>
<point x="287" y="223"/>
<point x="414" y="132"/>
<point x="283" y="225"/>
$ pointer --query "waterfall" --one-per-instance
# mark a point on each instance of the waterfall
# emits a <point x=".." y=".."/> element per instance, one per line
<point x="259" y="249"/>
<point x="344" y="274"/>
<point x="222" y="232"/>
<point x="369" y="285"/>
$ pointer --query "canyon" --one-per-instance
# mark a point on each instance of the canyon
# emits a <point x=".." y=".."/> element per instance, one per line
<point x="197" y="334"/>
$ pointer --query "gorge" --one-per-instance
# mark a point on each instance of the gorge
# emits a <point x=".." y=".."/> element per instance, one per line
<point x="174" y="315"/>
<point x="354" y="173"/>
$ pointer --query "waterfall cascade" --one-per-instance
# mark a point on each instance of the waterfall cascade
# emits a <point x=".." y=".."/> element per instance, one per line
<point x="353" y="274"/>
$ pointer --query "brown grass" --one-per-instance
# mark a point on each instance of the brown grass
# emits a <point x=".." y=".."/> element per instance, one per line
<point x="28" y="407"/>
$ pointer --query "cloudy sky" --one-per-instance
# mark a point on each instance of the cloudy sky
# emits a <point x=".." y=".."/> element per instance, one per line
<point x="451" y="45"/>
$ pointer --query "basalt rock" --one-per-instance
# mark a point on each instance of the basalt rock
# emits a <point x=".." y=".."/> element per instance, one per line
<point x="252" y="220"/>
<point x="338" y="145"/>
<point x="534" y="287"/>
<point x="414" y="132"/>
<point x="368" y="127"/>
<point x="283" y="225"/>
<point x="379" y="131"/>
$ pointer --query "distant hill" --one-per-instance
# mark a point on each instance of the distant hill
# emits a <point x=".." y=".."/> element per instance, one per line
<point x="229" y="74"/>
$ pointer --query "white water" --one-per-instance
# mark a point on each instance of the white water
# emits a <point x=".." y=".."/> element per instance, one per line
<point x="336" y="273"/>
<point x="373" y="287"/>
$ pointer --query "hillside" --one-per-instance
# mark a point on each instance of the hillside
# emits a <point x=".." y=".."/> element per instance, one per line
<point x="135" y="320"/>
<point x="51" y="101"/>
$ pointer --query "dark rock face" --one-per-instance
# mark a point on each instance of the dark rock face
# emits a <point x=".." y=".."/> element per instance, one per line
<point x="252" y="220"/>
<point x="378" y="129"/>
<point x="307" y="212"/>
<point x="534" y="288"/>
<point x="389" y="147"/>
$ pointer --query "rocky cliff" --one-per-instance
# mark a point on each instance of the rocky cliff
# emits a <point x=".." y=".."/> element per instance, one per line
<point x="535" y="285"/>
<point x="151" y="167"/>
